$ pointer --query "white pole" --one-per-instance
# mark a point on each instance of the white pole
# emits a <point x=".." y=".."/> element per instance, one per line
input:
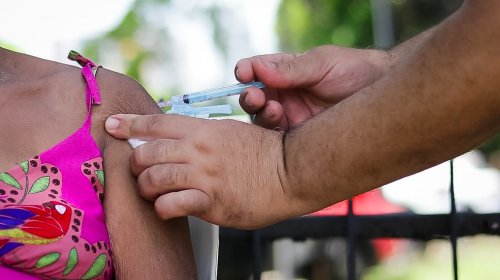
<point x="383" y="31"/>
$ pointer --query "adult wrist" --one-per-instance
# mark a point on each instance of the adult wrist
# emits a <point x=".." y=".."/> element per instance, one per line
<point x="299" y="186"/>
<point x="384" y="60"/>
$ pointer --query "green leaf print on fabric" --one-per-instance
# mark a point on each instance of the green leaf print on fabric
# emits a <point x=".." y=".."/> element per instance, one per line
<point x="25" y="166"/>
<point x="96" y="268"/>
<point x="47" y="260"/>
<point x="9" y="180"/>
<point x="100" y="176"/>
<point x="72" y="261"/>
<point x="40" y="184"/>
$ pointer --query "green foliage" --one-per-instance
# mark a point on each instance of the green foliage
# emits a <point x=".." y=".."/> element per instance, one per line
<point x="302" y="25"/>
<point x="214" y="14"/>
<point x="137" y="39"/>
<point x="413" y="16"/>
<point x="127" y="28"/>
<point x="9" y="46"/>
<point x="141" y="42"/>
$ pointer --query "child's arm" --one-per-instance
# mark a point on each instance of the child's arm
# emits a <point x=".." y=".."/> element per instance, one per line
<point x="144" y="246"/>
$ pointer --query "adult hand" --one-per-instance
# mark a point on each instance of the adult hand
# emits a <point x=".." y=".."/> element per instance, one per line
<point x="225" y="172"/>
<point x="300" y="86"/>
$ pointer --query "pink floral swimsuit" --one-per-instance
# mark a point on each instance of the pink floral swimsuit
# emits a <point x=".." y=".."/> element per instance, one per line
<point x="52" y="223"/>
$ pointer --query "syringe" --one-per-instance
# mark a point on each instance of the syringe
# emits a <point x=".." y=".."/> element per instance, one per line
<point x="210" y="94"/>
<point x="180" y="103"/>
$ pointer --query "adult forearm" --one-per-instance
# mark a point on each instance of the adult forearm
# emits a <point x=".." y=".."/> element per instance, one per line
<point x="438" y="103"/>
<point x="404" y="50"/>
<point x="385" y="61"/>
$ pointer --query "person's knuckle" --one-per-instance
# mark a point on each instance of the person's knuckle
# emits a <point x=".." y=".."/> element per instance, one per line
<point x="136" y="125"/>
<point x="201" y="209"/>
<point x="202" y="147"/>
<point x="160" y="176"/>
<point x="262" y="60"/>
<point x="180" y="177"/>
<point x="155" y="149"/>
<point x="152" y="123"/>
<point x="170" y="176"/>
<point x="162" y="149"/>
<point x="213" y="171"/>
<point x="257" y="58"/>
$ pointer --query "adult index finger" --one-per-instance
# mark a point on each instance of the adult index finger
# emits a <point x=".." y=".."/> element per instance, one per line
<point x="148" y="127"/>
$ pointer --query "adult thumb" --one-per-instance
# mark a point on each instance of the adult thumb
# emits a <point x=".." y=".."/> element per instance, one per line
<point x="285" y="71"/>
<point x="120" y="125"/>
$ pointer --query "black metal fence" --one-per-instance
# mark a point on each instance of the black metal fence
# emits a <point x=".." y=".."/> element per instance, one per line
<point x="355" y="228"/>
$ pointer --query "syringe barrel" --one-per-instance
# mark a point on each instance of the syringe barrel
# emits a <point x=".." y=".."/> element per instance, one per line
<point x="219" y="93"/>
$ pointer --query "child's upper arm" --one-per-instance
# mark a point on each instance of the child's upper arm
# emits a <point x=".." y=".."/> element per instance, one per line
<point x="144" y="246"/>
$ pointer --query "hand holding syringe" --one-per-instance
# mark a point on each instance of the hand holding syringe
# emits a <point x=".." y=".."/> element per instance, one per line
<point x="180" y="104"/>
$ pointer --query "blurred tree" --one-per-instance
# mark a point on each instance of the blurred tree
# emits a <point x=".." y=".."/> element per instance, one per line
<point x="411" y="17"/>
<point x="302" y="25"/>
<point x="140" y="46"/>
<point x="9" y="46"/>
<point x="136" y="39"/>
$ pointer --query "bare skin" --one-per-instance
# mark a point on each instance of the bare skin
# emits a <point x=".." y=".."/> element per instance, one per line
<point x="43" y="102"/>
<point x="437" y="98"/>
<point x="307" y="83"/>
<point x="299" y="86"/>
